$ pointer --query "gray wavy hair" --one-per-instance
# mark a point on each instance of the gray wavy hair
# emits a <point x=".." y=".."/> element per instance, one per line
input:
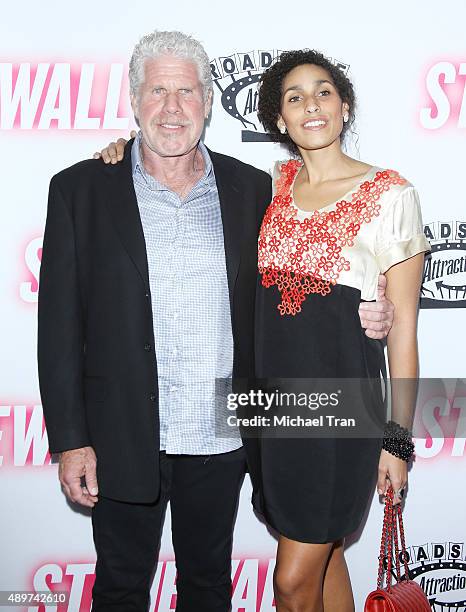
<point x="173" y="43"/>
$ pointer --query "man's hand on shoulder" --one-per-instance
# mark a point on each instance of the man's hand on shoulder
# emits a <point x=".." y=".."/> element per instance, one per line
<point x="75" y="467"/>
<point x="377" y="317"/>
<point x="114" y="151"/>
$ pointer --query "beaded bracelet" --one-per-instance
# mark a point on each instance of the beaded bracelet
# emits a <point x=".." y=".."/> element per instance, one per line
<point x="397" y="440"/>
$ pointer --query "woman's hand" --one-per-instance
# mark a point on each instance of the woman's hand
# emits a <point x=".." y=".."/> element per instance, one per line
<point x="113" y="153"/>
<point x="394" y="472"/>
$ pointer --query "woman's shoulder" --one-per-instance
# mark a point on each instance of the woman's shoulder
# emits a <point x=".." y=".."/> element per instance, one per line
<point x="397" y="202"/>
<point x="391" y="186"/>
<point x="283" y="171"/>
<point x="284" y="165"/>
<point x="392" y="177"/>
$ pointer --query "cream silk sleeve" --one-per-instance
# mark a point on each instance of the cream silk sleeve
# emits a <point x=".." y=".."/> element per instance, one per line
<point x="400" y="233"/>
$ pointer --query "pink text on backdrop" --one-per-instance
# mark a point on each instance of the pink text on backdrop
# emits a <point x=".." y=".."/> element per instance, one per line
<point x="23" y="437"/>
<point x="445" y="105"/>
<point x="252" y="585"/>
<point x="444" y="422"/>
<point x="29" y="288"/>
<point x="64" y="96"/>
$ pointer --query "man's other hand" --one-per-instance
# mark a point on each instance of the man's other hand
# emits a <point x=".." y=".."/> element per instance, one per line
<point x="377" y="317"/>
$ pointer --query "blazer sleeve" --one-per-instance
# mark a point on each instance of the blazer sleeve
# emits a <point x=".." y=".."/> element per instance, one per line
<point x="60" y="329"/>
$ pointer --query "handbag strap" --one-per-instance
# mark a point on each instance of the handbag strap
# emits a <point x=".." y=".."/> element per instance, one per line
<point x="391" y="520"/>
<point x="402" y="539"/>
<point x="395" y="540"/>
<point x="386" y="537"/>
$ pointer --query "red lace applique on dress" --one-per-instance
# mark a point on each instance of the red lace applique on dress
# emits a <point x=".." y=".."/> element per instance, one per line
<point x="303" y="257"/>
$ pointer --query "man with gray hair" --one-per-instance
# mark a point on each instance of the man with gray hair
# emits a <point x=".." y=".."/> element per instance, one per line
<point x="146" y="297"/>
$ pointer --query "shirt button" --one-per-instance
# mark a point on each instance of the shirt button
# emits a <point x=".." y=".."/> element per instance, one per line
<point x="152" y="397"/>
<point x="176" y="315"/>
<point x="173" y="389"/>
<point x="147" y="347"/>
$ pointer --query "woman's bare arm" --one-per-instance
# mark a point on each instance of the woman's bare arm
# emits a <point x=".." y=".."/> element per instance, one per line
<point x="403" y="289"/>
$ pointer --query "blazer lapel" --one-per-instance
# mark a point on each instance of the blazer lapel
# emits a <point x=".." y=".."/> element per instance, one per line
<point x="230" y="204"/>
<point x="123" y="207"/>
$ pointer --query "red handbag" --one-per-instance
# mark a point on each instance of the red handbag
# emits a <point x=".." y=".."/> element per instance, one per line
<point x="406" y="595"/>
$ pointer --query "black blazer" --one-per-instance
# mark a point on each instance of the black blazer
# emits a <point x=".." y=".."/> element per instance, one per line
<point x="97" y="362"/>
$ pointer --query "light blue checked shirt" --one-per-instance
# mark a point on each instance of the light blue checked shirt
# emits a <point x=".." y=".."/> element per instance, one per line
<point x="190" y="306"/>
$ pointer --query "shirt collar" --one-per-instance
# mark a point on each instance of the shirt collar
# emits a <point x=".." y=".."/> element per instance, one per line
<point x="138" y="166"/>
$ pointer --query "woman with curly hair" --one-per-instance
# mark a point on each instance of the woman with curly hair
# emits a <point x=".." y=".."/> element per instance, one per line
<point x="333" y="225"/>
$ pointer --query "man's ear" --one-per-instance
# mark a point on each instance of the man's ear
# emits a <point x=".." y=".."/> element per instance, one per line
<point x="208" y="104"/>
<point x="135" y="107"/>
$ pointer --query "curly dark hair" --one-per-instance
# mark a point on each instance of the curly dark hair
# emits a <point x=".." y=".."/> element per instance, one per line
<point x="270" y="91"/>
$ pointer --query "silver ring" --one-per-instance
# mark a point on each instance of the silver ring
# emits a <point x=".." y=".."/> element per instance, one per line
<point x="400" y="493"/>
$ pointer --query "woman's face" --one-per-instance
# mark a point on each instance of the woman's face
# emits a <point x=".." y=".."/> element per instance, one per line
<point x="311" y="108"/>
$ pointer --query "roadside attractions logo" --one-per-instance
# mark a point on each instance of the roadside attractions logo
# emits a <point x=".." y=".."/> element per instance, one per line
<point x="444" y="282"/>
<point x="440" y="569"/>
<point x="237" y="77"/>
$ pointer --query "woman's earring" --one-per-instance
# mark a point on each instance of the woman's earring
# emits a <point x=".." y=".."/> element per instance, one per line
<point x="283" y="129"/>
<point x="345" y="118"/>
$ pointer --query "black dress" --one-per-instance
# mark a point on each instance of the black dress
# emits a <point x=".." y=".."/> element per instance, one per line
<point x="317" y="489"/>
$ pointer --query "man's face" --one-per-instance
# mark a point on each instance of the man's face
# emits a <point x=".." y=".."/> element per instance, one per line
<point x="170" y="106"/>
